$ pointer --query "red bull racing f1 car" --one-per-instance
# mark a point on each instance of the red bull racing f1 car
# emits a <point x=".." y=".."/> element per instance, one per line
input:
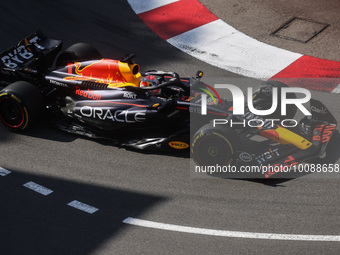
<point x="85" y="94"/>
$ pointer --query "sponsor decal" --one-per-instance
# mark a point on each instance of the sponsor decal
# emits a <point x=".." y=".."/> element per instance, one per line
<point x="90" y="94"/>
<point x="245" y="157"/>
<point x="57" y="83"/>
<point x="178" y="145"/>
<point x="317" y="110"/>
<point x="35" y="41"/>
<point x="130" y="95"/>
<point x="194" y="109"/>
<point x="325" y="133"/>
<point x="268" y="155"/>
<point x="18" y="55"/>
<point x="118" y="115"/>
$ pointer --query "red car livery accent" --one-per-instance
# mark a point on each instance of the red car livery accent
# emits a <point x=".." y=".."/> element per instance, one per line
<point x="90" y="94"/>
<point x="108" y="71"/>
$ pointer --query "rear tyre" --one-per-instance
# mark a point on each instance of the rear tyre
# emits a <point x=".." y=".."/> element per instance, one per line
<point x="21" y="105"/>
<point x="78" y="52"/>
<point x="213" y="146"/>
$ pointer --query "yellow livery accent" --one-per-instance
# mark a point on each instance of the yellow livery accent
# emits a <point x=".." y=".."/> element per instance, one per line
<point x="130" y="72"/>
<point x="178" y="145"/>
<point x="285" y="136"/>
<point x="120" y="85"/>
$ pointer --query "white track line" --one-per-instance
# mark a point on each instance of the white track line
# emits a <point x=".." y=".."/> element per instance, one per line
<point x="140" y="6"/>
<point x="226" y="233"/>
<point x="83" y="207"/>
<point x="4" y="172"/>
<point x="221" y="45"/>
<point x="38" y="188"/>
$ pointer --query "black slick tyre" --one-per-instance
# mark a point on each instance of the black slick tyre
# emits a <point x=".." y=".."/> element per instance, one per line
<point x="21" y="105"/>
<point x="213" y="146"/>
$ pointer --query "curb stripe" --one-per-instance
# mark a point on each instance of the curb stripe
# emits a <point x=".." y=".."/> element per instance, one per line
<point x="148" y="5"/>
<point x="311" y="67"/>
<point x="192" y="28"/>
<point x="177" y="17"/>
<point x="229" y="49"/>
<point x="316" y="74"/>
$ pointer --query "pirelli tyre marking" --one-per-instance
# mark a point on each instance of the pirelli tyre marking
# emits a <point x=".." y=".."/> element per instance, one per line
<point x="12" y="113"/>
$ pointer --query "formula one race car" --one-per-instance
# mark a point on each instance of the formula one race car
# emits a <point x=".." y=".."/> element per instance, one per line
<point x="221" y="144"/>
<point x="85" y="94"/>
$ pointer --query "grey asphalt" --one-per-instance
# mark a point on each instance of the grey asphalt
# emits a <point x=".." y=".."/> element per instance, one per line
<point x="123" y="183"/>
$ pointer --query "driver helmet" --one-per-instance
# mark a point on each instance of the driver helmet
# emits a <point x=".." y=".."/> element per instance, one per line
<point x="150" y="81"/>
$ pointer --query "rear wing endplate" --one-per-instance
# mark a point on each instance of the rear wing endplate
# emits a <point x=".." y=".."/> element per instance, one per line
<point x="27" y="50"/>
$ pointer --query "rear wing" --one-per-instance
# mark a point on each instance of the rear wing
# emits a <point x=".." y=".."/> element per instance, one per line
<point x="28" y="50"/>
<point x="320" y="112"/>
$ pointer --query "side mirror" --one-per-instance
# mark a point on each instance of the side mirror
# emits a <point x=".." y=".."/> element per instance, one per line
<point x="199" y="75"/>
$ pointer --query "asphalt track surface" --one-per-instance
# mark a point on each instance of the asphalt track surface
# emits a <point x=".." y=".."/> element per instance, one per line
<point x="122" y="183"/>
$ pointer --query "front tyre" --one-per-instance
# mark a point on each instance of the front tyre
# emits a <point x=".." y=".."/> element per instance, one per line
<point x="21" y="104"/>
<point x="212" y="146"/>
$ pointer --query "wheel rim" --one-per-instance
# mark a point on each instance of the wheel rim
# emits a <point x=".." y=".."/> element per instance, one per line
<point x="11" y="112"/>
<point x="212" y="151"/>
